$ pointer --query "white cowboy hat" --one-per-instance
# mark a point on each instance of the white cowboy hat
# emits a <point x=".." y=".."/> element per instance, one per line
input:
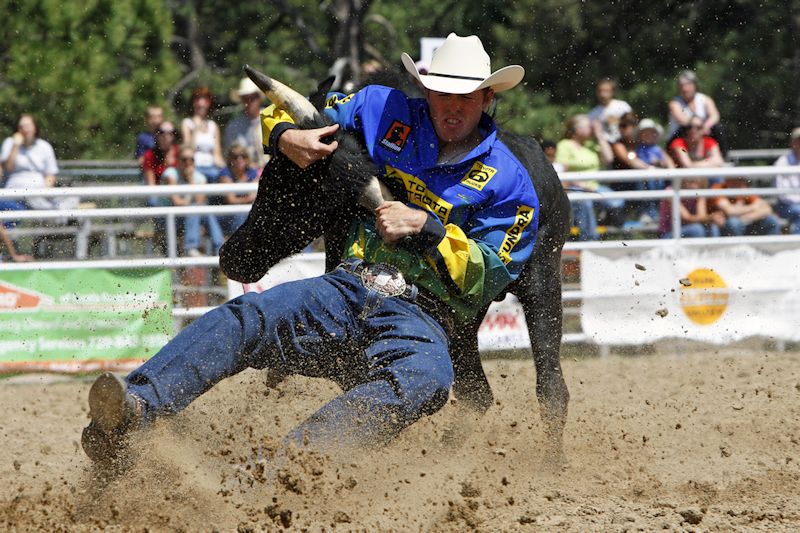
<point x="650" y="124"/>
<point x="246" y="86"/>
<point x="461" y="66"/>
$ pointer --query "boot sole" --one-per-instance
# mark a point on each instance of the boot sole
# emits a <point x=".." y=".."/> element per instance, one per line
<point x="107" y="402"/>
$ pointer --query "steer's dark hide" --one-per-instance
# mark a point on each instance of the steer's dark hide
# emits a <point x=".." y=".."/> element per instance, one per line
<point x="294" y="206"/>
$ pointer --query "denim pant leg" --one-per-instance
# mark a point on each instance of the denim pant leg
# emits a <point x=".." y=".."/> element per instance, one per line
<point x="768" y="225"/>
<point x="191" y="232"/>
<point x="290" y="328"/>
<point x="11" y="205"/>
<point x="409" y="375"/>
<point x="693" y="231"/>
<point x="584" y="219"/>
<point x="734" y="227"/>
<point x="214" y="232"/>
<point x="790" y="212"/>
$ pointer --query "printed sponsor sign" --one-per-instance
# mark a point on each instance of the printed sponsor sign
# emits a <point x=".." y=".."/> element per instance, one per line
<point x="717" y="295"/>
<point x="82" y="319"/>
<point x="503" y="328"/>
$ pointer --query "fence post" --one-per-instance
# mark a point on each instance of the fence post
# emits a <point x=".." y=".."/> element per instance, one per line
<point x="172" y="236"/>
<point x="676" y="208"/>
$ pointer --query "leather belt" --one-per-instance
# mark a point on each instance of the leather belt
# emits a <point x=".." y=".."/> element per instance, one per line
<point x="389" y="281"/>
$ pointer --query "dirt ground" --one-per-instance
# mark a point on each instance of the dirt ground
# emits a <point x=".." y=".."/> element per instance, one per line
<point x="703" y="442"/>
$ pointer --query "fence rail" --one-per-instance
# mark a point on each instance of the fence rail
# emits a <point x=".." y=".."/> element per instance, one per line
<point x="171" y="212"/>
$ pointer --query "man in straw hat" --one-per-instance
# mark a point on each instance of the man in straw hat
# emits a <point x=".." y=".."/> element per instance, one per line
<point x="245" y="128"/>
<point x="380" y="323"/>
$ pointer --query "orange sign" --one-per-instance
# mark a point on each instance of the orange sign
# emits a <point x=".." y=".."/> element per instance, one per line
<point x="13" y="297"/>
<point x="705" y="299"/>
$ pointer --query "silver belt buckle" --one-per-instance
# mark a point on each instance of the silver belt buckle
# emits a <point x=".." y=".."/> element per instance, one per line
<point x="383" y="279"/>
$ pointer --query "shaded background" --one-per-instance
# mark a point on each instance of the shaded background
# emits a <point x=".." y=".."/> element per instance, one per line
<point x="87" y="70"/>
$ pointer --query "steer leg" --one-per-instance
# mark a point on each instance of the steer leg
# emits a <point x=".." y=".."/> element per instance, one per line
<point x="541" y="299"/>
<point x="470" y="386"/>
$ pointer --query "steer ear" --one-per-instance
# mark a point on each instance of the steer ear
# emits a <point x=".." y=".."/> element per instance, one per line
<point x="324" y="87"/>
<point x="283" y="96"/>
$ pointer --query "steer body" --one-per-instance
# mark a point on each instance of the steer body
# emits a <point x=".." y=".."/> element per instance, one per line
<point x="294" y="206"/>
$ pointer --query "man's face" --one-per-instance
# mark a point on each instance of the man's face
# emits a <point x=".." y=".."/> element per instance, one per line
<point x="455" y="116"/>
<point x="796" y="145"/>
<point x="604" y="92"/>
<point x="155" y="116"/>
<point x="252" y="104"/>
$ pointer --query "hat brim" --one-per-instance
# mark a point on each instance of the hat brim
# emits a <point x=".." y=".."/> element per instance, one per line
<point x="502" y="80"/>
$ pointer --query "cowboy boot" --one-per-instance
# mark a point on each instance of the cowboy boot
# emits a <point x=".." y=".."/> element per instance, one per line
<point x="114" y="412"/>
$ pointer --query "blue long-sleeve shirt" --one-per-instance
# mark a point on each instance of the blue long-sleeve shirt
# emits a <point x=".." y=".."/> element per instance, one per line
<point x="483" y="216"/>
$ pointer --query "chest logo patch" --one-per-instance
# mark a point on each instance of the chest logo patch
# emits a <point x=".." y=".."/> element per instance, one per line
<point x="521" y="221"/>
<point x="478" y="176"/>
<point x="418" y="194"/>
<point x="395" y="137"/>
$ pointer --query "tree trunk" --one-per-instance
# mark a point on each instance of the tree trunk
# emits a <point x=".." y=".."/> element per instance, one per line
<point x="348" y="40"/>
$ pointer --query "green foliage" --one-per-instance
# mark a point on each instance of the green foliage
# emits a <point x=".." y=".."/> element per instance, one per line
<point x="87" y="69"/>
<point x="84" y="69"/>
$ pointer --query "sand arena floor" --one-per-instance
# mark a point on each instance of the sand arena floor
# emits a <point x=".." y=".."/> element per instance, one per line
<point x="703" y="442"/>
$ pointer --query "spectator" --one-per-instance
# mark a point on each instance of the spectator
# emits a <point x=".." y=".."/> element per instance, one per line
<point x="238" y="171"/>
<point x="187" y="174"/>
<point x="750" y="215"/>
<point x="5" y="239"/>
<point x="648" y="151"/>
<point x="696" y="220"/>
<point x="29" y="162"/>
<point x="691" y="104"/>
<point x="584" y="148"/>
<point x="146" y="140"/>
<point x="245" y="129"/>
<point x="162" y="156"/>
<point x="203" y="135"/>
<point x="694" y="149"/>
<point x="549" y="149"/>
<point x="788" y="205"/>
<point x="609" y="110"/>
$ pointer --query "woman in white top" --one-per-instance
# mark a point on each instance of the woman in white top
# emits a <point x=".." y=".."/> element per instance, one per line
<point x="691" y="103"/>
<point x="203" y="134"/>
<point x="30" y="163"/>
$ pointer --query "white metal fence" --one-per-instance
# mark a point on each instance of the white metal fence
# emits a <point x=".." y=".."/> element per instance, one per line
<point x="170" y="214"/>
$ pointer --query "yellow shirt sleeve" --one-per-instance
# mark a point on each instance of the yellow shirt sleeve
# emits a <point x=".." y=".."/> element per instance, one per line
<point x="270" y="117"/>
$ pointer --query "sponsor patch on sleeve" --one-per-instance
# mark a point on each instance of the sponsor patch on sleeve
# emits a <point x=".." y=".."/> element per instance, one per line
<point x="478" y="176"/>
<point x="395" y="137"/>
<point x="514" y="233"/>
<point x="334" y="100"/>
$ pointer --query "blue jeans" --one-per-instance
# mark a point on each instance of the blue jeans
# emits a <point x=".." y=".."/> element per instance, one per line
<point x="768" y="225"/>
<point x="584" y="217"/>
<point x="790" y="212"/>
<point x="230" y="223"/>
<point x="389" y="356"/>
<point x="11" y="205"/>
<point x="696" y="230"/>
<point x="191" y="231"/>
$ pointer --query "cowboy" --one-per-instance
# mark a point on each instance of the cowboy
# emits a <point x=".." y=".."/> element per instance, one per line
<point x="380" y="324"/>
<point x="245" y="128"/>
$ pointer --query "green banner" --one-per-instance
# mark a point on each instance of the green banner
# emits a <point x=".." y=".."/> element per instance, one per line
<point x="61" y="319"/>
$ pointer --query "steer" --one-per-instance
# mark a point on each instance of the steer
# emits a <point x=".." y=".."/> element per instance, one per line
<point x="294" y="206"/>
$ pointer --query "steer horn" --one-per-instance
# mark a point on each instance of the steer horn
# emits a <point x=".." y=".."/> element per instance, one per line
<point x="294" y="103"/>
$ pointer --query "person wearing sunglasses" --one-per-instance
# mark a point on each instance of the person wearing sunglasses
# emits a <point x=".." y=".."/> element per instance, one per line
<point x="239" y="170"/>
<point x="186" y="174"/>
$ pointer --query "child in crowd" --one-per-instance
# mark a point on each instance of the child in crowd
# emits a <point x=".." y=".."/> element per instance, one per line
<point x="146" y="140"/>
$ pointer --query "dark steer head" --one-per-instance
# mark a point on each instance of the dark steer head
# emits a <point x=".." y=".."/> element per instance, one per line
<point x="294" y="206"/>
